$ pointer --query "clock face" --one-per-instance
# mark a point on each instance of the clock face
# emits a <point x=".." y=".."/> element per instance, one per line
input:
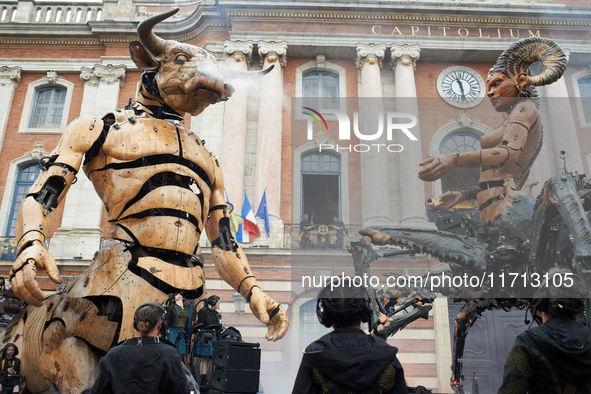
<point x="461" y="87"/>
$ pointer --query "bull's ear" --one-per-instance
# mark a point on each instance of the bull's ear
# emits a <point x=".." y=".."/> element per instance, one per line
<point x="141" y="57"/>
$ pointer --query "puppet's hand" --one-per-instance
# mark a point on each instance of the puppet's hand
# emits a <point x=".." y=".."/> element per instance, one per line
<point x="23" y="273"/>
<point x="435" y="167"/>
<point x="269" y="312"/>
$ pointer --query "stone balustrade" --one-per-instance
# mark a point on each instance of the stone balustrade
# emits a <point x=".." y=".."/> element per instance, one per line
<point x="50" y="12"/>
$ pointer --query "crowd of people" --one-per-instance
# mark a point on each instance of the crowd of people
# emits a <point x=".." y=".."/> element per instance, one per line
<point x="554" y="357"/>
<point x="156" y="361"/>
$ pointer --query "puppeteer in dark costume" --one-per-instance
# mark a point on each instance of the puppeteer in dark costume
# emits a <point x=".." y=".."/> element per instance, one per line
<point x="347" y="359"/>
<point x="554" y="357"/>
<point x="147" y="364"/>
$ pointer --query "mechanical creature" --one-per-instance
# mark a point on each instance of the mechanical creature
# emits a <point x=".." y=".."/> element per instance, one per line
<point x="517" y="234"/>
<point x="161" y="189"/>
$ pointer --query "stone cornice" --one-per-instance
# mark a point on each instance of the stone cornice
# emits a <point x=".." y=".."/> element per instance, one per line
<point x="220" y="17"/>
<point x="432" y="48"/>
<point x="440" y="14"/>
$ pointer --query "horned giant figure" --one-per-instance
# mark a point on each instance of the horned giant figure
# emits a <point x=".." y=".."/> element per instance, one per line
<point x="161" y="188"/>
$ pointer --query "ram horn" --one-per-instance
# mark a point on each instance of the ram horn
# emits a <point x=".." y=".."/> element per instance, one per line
<point x="522" y="54"/>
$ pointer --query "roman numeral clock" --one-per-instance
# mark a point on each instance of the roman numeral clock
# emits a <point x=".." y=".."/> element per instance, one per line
<point x="461" y="87"/>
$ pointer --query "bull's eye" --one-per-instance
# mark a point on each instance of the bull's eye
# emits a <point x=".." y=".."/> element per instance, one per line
<point x="180" y="59"/>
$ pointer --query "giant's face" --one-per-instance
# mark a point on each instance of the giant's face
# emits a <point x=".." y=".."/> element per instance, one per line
<point x="502" y="91"/>
<point x="189" y="79"/>
<point x="187" y="76"/>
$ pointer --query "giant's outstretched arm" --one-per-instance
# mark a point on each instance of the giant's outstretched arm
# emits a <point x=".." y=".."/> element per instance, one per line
<point x="520" y="121"/>
<point x="34" y="215"/>
<point x="232" y="265"/>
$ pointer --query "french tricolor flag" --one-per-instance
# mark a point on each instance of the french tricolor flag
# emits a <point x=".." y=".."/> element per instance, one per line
<point x="249" y="229"/>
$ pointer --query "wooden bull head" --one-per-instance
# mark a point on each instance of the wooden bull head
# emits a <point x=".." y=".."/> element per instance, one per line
<point x="187" y="76"/>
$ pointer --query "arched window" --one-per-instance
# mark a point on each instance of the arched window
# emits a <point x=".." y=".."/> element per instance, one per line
<point x="321" y="86"/>
<point x="310" y="327"/>
<point x="460" y="178"/>
<point x="48" y="107"/>
<point x="585" y="92"/>
<point x="321" y="173"/>
<point x="26" y="176"/>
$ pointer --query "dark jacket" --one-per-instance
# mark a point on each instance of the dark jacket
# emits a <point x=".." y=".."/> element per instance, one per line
<point x="208" y="317"/>
<point x="554" y="357"/>
<point x="15" y="363"/>
<point x="348" y="360"/>
<point x="142" y="365"/>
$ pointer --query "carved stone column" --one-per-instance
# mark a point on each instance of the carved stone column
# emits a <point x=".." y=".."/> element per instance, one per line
<point x="234" y="129"/>
<point x="9" y="80"/>
<point x="562" y="126"/>
<point x="268" y="161"/>
<point x="101" y="88"/>
<point x="80" y="233"/>
<point x="412" y="189"/>
<point x="374" y="163"/>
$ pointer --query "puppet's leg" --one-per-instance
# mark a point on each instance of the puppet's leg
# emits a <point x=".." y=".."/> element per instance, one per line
<point x="62" y="341"/>
<point x="560" y="195"/>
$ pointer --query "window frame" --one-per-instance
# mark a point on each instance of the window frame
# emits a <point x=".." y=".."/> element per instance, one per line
<point x="325" y="66"/>
<point x="54" y="90"/>
<point x="18" y="183"/>
<point x="320" y="88"/>
<point x="320" y="170"/>
<point x="28" y="158"/>
<point x="577" y="95"/>
<point x="462" y="123"/>
<point x="51" y="80"/>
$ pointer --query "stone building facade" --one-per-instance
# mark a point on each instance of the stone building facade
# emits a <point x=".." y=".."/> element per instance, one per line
<point x="74" y="55"/>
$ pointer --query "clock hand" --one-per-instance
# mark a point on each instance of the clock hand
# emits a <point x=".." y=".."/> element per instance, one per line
<point x="461" y="87"/>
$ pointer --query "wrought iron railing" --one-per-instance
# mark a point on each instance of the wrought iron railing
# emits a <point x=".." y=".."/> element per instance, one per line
<point x="8" y="247"/>
<point x="319" y="236"/>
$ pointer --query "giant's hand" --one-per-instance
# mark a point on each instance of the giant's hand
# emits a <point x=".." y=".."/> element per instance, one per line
<point x="23" y="273"/>
<point x="451" y="199"/>
<point x="435" y="167"/>
<point x="269" y="312"/>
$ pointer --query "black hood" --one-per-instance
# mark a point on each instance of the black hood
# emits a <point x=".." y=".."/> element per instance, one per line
<point x="568" y="344"/>
<point x="3" y="354"/>
<point x="353" y="361"/>
<point x="163" y="111"/>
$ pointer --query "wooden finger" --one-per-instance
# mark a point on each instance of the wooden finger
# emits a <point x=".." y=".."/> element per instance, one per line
<point x="30" y="283"/>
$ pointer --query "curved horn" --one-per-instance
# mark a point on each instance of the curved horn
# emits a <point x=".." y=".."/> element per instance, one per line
<point x="151" y="41"/>
<point x="230" y="73"/>
<point x="522" y="54"/>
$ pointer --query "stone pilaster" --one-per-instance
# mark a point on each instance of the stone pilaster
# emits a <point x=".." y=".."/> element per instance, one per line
<point x="234" y="129"/>
<point x="412" y="189"/>
<point x="101" y="88"/>
<point x="374" y="164"/>
<point x="563" y="124"/>
<point x="9" y="80"/>
<point x="268" y="161"/>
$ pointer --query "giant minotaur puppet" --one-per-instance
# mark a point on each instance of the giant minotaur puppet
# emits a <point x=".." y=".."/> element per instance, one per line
<point x="161" y="189"/>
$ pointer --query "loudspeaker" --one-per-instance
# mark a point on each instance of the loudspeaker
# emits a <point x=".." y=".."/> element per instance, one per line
<point x="237" y="355"/>
<point x="235" y="381"/>
<point x="236" y="367"/>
